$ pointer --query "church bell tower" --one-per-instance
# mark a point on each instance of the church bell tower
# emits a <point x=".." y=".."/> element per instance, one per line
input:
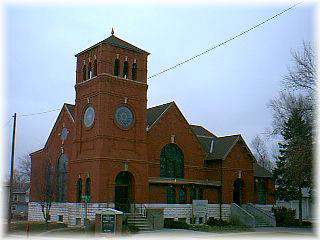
<point x="110" y="118"/>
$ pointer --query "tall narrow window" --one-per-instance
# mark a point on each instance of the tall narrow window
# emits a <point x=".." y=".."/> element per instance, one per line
<point x="125" y="69"/>
<point x="134" y="71"/>
<point x="84" y="72"/>
<point x="90" y="70"/>
<point x="171" y="195"/>
<point x="116" y="67"/>
<point x="193" y="194"/>
<point x="79" y="190"/>
<point x="95" y="67"/>
<point x="88" y="187"/>
<point x="61" y="178"/>
<point x="182" y="195"/>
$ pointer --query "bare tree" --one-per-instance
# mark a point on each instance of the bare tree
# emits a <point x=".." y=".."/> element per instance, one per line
<point x="303" y="75"/>
<point x="260" y="152"/>
<point x="283" y="106"/>
<point x="25" y="167"/>
<point x="299" y="89"/>
<point x="44" y="187"/>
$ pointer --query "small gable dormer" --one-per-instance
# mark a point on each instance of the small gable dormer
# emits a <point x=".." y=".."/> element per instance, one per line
<point x="112" y="56"/>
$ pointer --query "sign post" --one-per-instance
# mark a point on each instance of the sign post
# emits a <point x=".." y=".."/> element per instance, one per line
<point x="85" y="199"/>
<point x="108" y="223"/>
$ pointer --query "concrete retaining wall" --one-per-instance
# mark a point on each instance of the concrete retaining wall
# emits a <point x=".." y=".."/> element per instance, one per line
<point x="72" y="211"/>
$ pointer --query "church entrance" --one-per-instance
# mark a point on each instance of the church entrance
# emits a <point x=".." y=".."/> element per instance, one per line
<point x="237" y="191"/>
<point x="123" y="191"/>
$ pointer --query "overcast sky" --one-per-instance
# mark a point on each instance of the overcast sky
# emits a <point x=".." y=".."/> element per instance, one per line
<point x="226" y="91"/>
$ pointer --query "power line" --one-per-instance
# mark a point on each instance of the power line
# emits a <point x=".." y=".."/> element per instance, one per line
<point x="223" y="43"/>
<point x="6" y="124"/>
<point x="38" y="113"/>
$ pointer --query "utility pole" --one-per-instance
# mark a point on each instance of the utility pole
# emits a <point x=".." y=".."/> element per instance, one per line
<point x="12" y="167"/>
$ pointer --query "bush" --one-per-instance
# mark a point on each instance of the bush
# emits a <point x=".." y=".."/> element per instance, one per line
<point x="170" y="223"/>
<point x="133" y="229"/>
<point x="217" y="222"/>
<point x="284" y="216"/>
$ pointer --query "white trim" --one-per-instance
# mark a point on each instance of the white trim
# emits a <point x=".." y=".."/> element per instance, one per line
<point x="149" y="127"/>
<point x="65" y="105"/>
<point x="234" y="143"/>
<point x="211" y="146"/>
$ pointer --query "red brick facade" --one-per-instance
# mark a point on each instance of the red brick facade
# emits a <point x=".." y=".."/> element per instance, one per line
<point x="100" y="152"/>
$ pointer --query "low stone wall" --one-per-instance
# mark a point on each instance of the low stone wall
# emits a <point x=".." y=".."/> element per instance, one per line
<point x="185" y="210"/>
<point x="70" y="212"/>
<point x="73" y="213"/>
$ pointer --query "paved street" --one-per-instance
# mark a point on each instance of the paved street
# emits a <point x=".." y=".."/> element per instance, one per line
<point x="279" y="232"/>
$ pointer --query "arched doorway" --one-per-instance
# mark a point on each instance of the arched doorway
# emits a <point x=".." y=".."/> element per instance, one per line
<point x="238" y="191"/>
<point x="124" y="189"/>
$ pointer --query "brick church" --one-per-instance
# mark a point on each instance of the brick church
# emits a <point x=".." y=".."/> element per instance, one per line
<point x="111" y="147"/>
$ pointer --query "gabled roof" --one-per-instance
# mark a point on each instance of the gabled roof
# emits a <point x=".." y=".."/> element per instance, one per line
<point x="154" y="113"/>
<point x="221" y="146"/>
<point x="117" y="42"/>
<point x="70" y="109"/>
<point x="201" y="131"/>
<point x="260" y="171"/>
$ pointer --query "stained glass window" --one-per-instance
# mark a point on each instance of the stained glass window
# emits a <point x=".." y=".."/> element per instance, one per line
<point x="79" y="190"/>
<point x="62" y="178"/>
<point x="171" y="162"/>
<point x="182" y="195"/>
<point x="171" y="195"/>
<point x="88" y="187"/>
<point x="193" y="195"/>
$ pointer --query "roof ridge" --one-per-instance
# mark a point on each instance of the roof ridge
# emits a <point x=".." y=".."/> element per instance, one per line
<point x="160" y="105"/>
<point x="206" y="136"/>
<point x="233" y="135"/>
<point x="69" y="104"/>
<point x="130" y="44"/>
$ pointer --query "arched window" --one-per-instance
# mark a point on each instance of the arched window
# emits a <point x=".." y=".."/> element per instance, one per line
<point x="116" y="67"/>
<point x="90" y="70"/>
<point x="95" y="67"/>
<point x="84" y="72"/>
<point x="79" y="190"/>
<point x="171" y="162"/>
<point x="88" y="187"/>
<point x="171" y="195"/>
<point x="182" y="195"/>
<point x="125" y="69"/>
<point x="134" y="71"/>
<point x="61" y="178"/>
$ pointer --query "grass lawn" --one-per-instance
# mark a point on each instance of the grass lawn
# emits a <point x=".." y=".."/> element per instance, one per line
<point x="34" y="226"/>
<point x="222" y="229"/>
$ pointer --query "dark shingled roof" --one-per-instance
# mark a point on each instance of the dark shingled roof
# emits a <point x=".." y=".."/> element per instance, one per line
<point x="201" y="131"/>
<point x="260" y="171"/>
<point x="221" y="147"/>
<point x="154" y="113"/>
<point x="70" y="108"/>
<point x="117" y="42"/>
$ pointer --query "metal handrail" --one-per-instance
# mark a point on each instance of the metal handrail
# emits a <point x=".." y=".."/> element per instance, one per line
<point x="143" y="212"/>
